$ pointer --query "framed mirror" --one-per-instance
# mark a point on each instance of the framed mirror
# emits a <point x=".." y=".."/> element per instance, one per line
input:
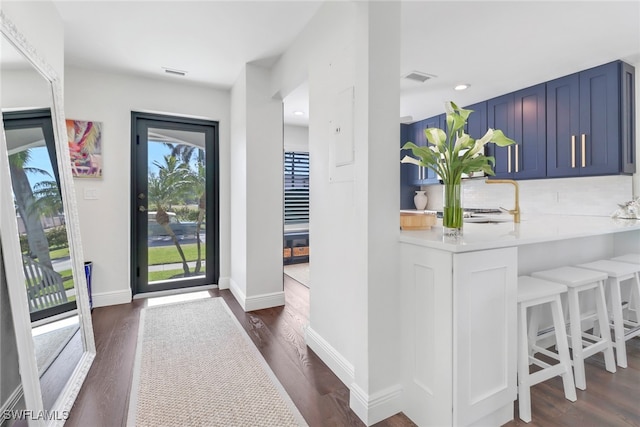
<point x="40" y="237"/>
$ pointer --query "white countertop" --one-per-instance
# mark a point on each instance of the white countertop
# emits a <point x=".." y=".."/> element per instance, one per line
<point x="534" y="229"/>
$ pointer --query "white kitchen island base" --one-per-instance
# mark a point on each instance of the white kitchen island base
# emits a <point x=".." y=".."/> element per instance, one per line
<point x="459" y="303"/>
<point x="459" y="321"/>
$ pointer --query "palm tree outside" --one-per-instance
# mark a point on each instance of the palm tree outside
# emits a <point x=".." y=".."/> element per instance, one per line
<point x="165" y="188"/>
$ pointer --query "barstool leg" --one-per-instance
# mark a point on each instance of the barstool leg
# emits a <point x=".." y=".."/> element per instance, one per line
<point x="634" y="301"/>
<point x="533" y="328"/>
<point x="524" y="392"/>
<point x="576" y="339"/>
<point x="618" y="322"/>
<point x="605" y="334"/>
<point x="563" y="350"/>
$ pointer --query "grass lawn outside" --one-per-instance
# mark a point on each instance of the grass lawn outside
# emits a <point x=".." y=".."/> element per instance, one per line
<point x="59" y="253"/>
<point x="169" y="254"/>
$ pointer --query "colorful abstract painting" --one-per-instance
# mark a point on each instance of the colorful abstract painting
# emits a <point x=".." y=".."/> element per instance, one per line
<point x="85" y="147"/>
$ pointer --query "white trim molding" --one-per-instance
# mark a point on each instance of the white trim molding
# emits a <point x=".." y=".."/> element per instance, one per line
<point x="256" y="302"/>
<point x="12" y="400"/>
<point x="329" y="355"/>
<point x="377" y="406"/>
<point x="103" y="299"/>
<point x="224" y="283"/>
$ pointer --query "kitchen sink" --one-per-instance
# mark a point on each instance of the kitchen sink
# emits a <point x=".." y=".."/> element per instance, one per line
<point x="493" y="219"/>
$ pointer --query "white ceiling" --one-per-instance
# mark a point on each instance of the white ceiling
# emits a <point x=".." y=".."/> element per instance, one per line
<point x="497" y="47"/>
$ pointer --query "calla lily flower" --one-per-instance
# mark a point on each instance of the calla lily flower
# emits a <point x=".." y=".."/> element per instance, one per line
<point x="453" y="153"/>
<point x="480" y="143"/>
<point x="411" y="160"/>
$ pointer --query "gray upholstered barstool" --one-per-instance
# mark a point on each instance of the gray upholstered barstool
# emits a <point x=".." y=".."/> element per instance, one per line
<point x="580" y="280"/>
<point x="624" y="328"/>
<point x="532" y="294"/>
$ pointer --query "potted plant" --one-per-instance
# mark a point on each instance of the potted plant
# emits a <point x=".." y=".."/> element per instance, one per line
<point x="451" y="154"/>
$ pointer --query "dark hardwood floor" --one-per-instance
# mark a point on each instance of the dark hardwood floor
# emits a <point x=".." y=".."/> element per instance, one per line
<point x="610" y="399"/>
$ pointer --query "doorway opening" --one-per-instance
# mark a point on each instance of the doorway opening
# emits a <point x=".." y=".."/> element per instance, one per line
<point x="174" y="203"/>
<point x="297" y="164"/>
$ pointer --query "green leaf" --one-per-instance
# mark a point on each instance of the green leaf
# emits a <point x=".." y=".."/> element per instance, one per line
<point x="500" y="139"/>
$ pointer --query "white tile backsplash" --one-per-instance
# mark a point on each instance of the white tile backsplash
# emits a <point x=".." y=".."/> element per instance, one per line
<point x="585" y="195"/>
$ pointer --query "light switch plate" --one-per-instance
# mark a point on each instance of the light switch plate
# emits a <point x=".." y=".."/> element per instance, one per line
<point x="91" y="194"/>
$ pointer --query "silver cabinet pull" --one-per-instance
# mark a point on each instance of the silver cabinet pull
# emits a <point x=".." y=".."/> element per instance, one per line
<point x="573" y="151"/>
<point x="517" y="159"/>
<point x="584" y="150"/>
<point x="509" y="158"/>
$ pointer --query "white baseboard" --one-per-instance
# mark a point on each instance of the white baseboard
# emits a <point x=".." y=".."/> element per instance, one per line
<point x="256" y="302"/>
<point x="104" y="299"/>
<point x="329" y="355"/>
<point x="376" y="407"/>
<point x="224" y="283"/>
<point x="11" y="402"/>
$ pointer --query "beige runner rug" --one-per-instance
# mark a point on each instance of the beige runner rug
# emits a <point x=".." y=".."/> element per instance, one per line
<point x="196" y="366"/>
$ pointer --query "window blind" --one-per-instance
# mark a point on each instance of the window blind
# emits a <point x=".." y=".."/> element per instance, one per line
<point x="296" y="187"/>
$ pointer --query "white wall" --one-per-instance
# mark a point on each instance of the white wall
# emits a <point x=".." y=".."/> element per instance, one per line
<point x="105" y="222"/>
<point x="40" y="24"/>
<point x="296" y="138"/>
<point x="24" y="89"/>
<point x="323" y="54"/>
<point x="256" y="191"/>
<point x="353" y="226"/>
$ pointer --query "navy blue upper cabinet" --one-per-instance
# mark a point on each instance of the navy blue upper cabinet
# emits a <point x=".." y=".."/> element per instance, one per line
<point x="530" y="150"/>
<point x="408" y="172"/>
<point x="584" y="123"/>
<point x="500" y="115"/>
<point x="521" y="116"/>
<point x="627" y="118"/>
<point x="425" y="176"/>
<point x="477" y="122"/>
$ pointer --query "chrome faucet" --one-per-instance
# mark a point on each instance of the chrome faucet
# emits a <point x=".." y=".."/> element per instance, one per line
<point x="515" y="212"/>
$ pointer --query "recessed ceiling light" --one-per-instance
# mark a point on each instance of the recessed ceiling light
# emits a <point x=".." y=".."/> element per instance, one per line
<point x="174" y="71"/>
<point x="462" y="86"/>
<point x="298" y="113"/>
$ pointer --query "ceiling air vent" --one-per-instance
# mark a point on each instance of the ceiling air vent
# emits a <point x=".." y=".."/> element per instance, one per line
<point x="418" y="76"/>
<point x="174" y="71"/>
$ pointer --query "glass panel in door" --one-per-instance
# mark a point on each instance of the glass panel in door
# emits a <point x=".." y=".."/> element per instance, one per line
<point x="40" y="214"/>
<point x="176" y="216"/>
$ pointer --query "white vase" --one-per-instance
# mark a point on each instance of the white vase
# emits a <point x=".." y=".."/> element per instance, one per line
<point x="420" y="200"/>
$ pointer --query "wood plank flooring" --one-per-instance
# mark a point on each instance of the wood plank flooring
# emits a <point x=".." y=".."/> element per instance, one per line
<point x="610" y="399"/>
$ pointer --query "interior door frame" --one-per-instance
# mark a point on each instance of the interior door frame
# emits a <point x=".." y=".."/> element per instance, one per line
<point x="139" y="175"/>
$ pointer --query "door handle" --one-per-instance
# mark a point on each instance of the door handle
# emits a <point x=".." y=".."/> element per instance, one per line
<point x="141" y="196"/>
<point x="142" y="209"/>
